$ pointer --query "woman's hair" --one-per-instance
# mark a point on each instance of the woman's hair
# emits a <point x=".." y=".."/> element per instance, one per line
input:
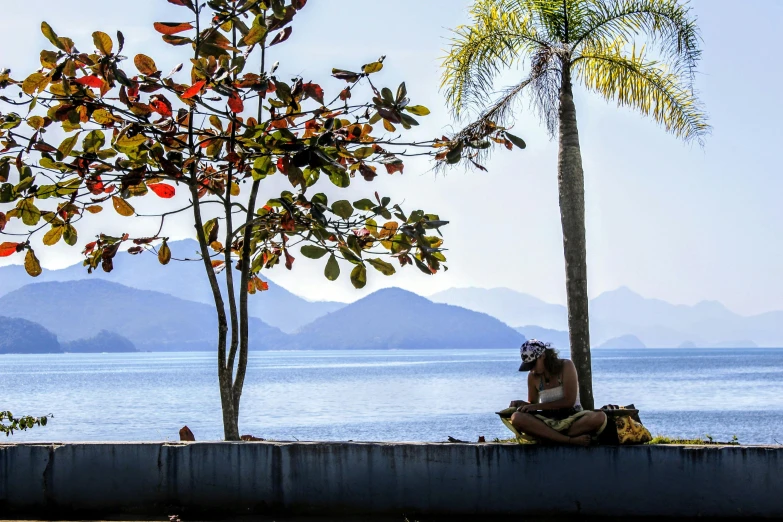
<point x="552" y="361"/>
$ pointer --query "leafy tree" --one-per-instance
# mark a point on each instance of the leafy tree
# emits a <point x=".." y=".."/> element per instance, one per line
<point x="9" y="424"/>
<point x="193" y="143"/>
<point x="597" y="43"/>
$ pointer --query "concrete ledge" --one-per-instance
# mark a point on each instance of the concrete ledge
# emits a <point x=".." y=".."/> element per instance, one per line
<point x="389" y="478"/>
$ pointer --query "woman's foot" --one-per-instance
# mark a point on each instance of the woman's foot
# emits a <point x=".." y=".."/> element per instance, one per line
<point x="580" y="440"/>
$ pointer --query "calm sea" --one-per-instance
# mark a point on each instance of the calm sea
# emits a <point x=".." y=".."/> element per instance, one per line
<point x="381" y="395"/>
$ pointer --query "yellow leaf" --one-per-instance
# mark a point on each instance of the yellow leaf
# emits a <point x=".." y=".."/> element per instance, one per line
<point x="372" y="67"/>
<point x="164" y="254"/>
<point x="53" y="236"/>
<point x="234" y="189"/>
<point x="31" y="264"/>
<point x="102" y="42"/>
<point x="145" y="64"/>
<point x="122" y="207"/>
<point x="388" y="126"/>
<point x="94" y="209"/>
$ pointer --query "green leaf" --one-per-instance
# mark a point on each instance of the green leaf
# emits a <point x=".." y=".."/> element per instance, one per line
<point x="359" y="276"/>
<point x="418" y="110"/>
<point x="28" y="212"/>
<point x="65" y="148"/>
<point x="69" y="235"/>
<point x="256" y="34"/>
<point x="332" y="270"/>
<point x="382" y="266"/>
<point x="364" y="204"/>
<point x="94" y="141"/>
<point x="342" y="208"/>
<point x="519" y="142"/>
<point x="129" y="145"/>
<point x="262" y="167"/>
<point x="338" y="176"/>
<point x="363" y="152"/>
<point x="314" y="252"/>
<point x="350" y="255"/>
<point x="402" y="92"/>
<point x="102" y="42"/>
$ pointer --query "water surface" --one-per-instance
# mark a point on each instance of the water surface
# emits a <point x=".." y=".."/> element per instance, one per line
<point x="404" y="395"/>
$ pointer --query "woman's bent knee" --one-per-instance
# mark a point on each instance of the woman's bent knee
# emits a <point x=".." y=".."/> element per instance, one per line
<point x="521" y="419"/>
<point x="598" y="418"/>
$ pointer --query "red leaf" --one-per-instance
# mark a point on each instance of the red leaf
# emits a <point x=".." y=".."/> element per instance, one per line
<point x="235" y="103"/>
<point x="282" y="164"/>
<point x="314" y="91"/>
<point x="298" y="4"/>
<point x="289" y="260"/>
<point x="281" y="37"/>
<point x="90" y="81"/>
<point x="89" y="247"/>
<point x="183" y="3"/>
<point x="7" y="249"/>
<point x="162" y="190"/>
<point x="3" y="221"/>
<point x="194" y="90"/>
<point x="394" y="166"/>
<point x="345" y="94"/>
<point x="161" y="105"/>
<point x="171" y="28"/>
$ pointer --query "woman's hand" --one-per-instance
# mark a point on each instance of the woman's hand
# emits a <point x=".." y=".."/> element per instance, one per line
<point x="517" y="404"/>
<point x="528" y="408"/>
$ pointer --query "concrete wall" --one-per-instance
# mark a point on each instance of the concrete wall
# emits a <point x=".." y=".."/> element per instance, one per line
<point x="389" y="478"/>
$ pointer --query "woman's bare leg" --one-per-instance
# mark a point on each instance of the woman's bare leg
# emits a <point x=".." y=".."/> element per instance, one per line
<point x="531" y="425"/>
<point x="588" y="423"/>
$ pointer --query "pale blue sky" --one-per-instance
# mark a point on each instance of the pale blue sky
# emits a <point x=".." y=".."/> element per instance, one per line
<point x="668" y="220"/>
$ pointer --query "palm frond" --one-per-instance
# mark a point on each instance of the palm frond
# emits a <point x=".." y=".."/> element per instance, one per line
<point x="501" y="33"/>
<point x="634" y="81"/>
<point x="668" y="24"/>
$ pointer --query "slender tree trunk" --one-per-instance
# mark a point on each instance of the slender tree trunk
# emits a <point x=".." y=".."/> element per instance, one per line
<point x="230" y="421"/>
<point x="570" y="177"/>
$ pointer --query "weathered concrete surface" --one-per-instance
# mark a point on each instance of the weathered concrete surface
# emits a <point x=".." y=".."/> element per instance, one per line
<point x="390" y="478"/>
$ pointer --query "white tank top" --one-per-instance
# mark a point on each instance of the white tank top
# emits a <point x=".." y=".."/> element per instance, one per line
<point x="555" y="394"/>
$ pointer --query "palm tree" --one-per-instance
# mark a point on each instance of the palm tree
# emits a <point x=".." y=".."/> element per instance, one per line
<point x="602" y="44"/>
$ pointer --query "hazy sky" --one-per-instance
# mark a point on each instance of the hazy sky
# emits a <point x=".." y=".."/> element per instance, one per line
<point x="668" y="220"/>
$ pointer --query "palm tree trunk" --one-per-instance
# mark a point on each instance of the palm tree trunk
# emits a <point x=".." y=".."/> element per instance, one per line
<point x="570" y="177"/>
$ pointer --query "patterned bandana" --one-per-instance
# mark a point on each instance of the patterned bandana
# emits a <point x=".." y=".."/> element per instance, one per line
<point x="530" y="351"/>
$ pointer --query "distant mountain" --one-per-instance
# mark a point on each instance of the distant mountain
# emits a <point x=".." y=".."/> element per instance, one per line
<point x="558" y="338"/>
<point x="153" y="321"/>
<point x="621" y="312"/>
<point x="511" y="307"/>
<point x="395" y="318"/>
<point x="102" y="342"/>
<point x="22" y="336"/>
<point x="624" y="341"/>
<point x="186" y="279"/>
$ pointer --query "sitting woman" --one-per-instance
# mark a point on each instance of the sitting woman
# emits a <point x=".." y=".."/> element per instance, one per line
<point x="552" y="411"/>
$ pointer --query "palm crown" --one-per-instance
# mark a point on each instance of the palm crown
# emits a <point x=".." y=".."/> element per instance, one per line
<point x="595" y="41"/>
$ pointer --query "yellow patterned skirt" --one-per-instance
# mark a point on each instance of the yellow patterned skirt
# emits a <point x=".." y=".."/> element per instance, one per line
<point x="559" y="425"/>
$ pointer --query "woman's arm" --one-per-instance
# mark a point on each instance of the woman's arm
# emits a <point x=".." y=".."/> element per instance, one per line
<point x="532" y="388"/>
